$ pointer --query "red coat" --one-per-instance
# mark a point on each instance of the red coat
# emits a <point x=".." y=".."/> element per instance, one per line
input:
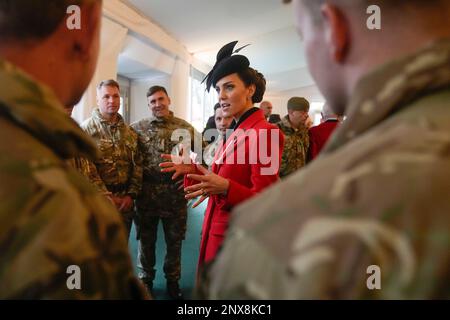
<point x="319" y="135"/>
<point x="246" y="179"/>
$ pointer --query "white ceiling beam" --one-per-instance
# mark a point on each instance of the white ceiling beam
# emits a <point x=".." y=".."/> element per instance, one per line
<point x="123" y="13"/>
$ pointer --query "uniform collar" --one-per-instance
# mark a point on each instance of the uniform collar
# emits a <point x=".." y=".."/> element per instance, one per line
<point x="98" y="115"/>
<point x="287" y="124"/>
<point x="152" y="118"/>
<point x="35" y="108"/>
<point x="392" y="87"/>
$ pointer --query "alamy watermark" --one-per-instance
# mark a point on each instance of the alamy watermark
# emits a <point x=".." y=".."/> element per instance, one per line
<point x="374" y="20"/>
<point x="255" y="147"/>
<point x="374" y="280"/>
<point x="74" y="280"/>
<point x="73" y="22"/>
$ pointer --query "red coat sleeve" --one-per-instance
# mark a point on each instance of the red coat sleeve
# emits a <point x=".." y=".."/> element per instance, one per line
<point x="314" y="148"/>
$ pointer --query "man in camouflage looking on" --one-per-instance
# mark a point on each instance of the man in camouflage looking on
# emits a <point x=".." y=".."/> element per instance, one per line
<point x="119" y="167"/>
<point x="51" y="218"/>
<point x="296" y="142"/>
<point x="369" y="219"/>
<point x="160" y="200"/>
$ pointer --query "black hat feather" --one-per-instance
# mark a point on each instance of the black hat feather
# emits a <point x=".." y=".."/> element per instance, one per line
<point x="226" y="64"/>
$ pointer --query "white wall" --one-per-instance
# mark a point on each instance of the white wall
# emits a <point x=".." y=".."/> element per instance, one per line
<point x="138" y="99"/>
<point x="179" y="93"/>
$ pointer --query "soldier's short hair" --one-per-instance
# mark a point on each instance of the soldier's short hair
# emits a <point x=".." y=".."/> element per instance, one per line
<point x="32" y="19"/>
<point x="152" y="90"/>
<point x="108" y="83"/>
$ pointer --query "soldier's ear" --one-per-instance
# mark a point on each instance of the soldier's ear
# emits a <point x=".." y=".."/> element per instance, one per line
<point x="85" y="37"/>
<point x="337" y="32"/>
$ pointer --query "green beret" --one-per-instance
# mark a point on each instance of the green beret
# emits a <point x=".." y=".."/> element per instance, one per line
<point x="299" y="104"/>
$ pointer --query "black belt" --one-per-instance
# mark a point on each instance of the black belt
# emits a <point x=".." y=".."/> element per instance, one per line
<point x="118" y="188"/>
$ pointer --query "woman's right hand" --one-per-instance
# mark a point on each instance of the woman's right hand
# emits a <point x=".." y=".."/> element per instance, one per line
<point x="177" y="165"/>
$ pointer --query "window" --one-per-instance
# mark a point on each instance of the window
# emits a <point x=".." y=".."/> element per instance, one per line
<point x="201" y="102"/>
<point x="124" y="98"/>
<point x="314" y="112"/>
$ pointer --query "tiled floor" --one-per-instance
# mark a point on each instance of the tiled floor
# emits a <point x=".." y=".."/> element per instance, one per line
<point x="189" y="256"/>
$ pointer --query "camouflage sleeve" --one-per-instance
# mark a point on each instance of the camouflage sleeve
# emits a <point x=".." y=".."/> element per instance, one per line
<point x="284" y="163"/>
<point x="135" y="185"/>
<point x="91" y="263"/>
<point x="244" y="269"/>
<point x="332" y="258"/>
<point x="90" y="171"/>
<point x="87" y="169"/>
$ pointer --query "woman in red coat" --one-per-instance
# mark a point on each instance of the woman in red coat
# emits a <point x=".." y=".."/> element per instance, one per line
<point x="246" y="163"/>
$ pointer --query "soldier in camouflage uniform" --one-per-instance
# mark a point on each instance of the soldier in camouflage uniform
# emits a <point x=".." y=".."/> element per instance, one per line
<point x="83" y="165"/>
<point x="160" y="200"/>
<point x="369" y="219"/>
<point x="51" y="217"/>
<point x="222" y="124"/>
<point x="296" y="141"/>
<point x="119" y="168"/>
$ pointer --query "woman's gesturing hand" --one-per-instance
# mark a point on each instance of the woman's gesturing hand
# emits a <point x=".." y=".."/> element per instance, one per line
<point x="176" y="165"/>
<point x="210" y="183"/>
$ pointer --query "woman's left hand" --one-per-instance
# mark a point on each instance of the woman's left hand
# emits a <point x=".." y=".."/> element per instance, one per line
<point x="210" y="183"/>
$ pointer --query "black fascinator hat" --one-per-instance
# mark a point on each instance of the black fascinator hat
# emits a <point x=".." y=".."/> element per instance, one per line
<point x="226" y="64"/>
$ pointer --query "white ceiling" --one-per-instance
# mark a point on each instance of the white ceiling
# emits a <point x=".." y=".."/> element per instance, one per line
<point x="204" y="26"/>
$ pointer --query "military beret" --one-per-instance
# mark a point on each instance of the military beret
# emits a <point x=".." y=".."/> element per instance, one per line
<point x="299" y="104"/>
<point x="226" y="64"/>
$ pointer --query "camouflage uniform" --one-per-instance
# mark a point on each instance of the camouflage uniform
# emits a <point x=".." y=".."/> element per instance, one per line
<point x="378" y="195"/>
<point x="50" y="216"/>
<point x="119" y="168"/>
<point x="87" y="169"/>
<point x="296" y="144"/>
<point x="160" y="199"/>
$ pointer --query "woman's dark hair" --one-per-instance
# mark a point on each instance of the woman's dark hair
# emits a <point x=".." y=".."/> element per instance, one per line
<point x="251" y="76"/>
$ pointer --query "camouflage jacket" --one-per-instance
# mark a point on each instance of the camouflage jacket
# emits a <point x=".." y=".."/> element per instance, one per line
<point x="369" y="219"/>
<point x="51" y="217"/>
<point x="86" y="168"/>
<point x="119" y="167"/>
<point x="296" y="144"/>
<point x="160" y="196"/>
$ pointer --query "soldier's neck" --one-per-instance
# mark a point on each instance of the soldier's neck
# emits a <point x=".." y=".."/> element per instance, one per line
<point x="111" y="118"/>
<point x="295" y="125"/>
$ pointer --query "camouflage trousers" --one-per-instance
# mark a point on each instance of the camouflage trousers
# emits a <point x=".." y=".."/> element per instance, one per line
<point x="174" y="233"/>
<point x="127" y="219"/>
